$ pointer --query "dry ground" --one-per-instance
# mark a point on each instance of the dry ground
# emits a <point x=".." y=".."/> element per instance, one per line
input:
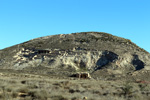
<point x="36" y="87"/>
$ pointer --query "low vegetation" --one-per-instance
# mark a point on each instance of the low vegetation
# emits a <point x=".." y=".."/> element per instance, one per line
<point x="36" y="87"/>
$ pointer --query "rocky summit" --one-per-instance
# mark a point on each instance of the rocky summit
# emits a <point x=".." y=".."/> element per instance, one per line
<point x="99" y="54"/>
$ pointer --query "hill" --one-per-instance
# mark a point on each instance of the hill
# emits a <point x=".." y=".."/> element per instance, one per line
<point x="77" y="66"/>
<point x="98" y="53"/>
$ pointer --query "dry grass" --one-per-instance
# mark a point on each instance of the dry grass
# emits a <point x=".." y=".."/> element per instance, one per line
<point x="13" y="87"/>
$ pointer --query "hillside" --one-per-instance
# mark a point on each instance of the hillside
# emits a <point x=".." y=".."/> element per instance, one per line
<point x="98" y="53"/>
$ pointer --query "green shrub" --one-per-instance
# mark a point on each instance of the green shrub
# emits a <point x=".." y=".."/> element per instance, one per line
<point x="127" y="89"/>
<point x="14" y="94"/>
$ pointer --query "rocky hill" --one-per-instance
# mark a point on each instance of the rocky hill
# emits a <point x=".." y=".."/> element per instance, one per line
<point x="100" y="54"/>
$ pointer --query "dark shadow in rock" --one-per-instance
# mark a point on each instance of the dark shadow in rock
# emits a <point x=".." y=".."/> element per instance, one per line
<point x="106" y="58"/>
<point x="51" y="61"/>
<point x="138" y="64"/>
<point x="82" y="64"/>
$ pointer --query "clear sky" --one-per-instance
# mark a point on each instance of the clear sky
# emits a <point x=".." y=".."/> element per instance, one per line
<point x="22" y="20"/>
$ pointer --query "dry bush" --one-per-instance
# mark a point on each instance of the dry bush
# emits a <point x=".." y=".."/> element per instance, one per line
<point x="59" y="97"/>
<point x="23" y="90"/>
<point x="39" y="94"/>
<point x="1" y="96"/>
<point x="14" y="94"/>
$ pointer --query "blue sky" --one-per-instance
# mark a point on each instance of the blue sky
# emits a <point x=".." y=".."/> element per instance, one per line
<point x="22" y="20"/>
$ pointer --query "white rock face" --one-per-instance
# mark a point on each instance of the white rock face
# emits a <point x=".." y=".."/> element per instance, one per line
<point x="76" y="59"/>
